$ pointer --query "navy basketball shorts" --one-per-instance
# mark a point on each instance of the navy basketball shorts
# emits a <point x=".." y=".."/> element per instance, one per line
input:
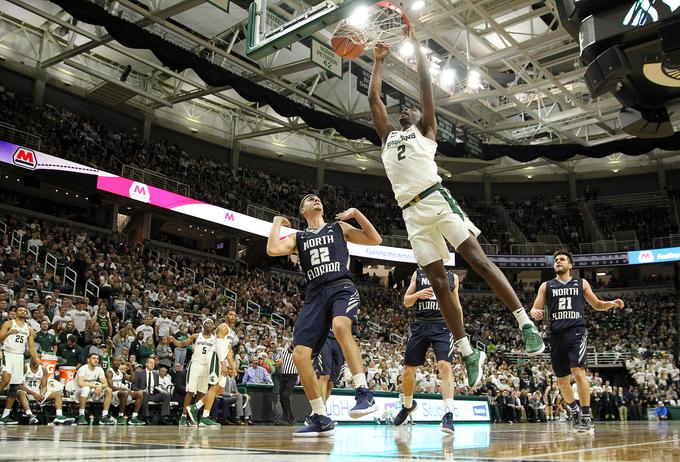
<point x="568" y="349"/>
<point x="317" y="313"/>
<point x="330" y="360"/>
<point x="422" y="335"/>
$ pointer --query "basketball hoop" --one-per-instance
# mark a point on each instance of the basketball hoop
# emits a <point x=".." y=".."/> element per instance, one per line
<point x="380" y="24"/>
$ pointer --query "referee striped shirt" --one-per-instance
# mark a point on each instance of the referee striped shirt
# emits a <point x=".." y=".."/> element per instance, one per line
<point x="288" y="366"/>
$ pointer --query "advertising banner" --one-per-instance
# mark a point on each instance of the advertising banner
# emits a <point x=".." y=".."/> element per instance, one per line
<point x="654" y="256"/>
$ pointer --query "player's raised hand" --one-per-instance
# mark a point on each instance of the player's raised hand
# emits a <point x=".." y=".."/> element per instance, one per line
<point x="347" y="214"/>
<point x="283" y="221"/>
<point x="381" y="51"/>
<point x="425" y="294"/>
<point x="618" y="303"/>
<point x="536" y="314"/>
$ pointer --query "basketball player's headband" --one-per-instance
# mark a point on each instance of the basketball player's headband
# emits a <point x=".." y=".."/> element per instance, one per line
<point x="302" y="202"/>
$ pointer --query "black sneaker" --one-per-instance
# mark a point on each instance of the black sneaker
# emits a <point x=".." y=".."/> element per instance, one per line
<point x="585" y="425"/>
<point x="404" y="413"/>
<point x="447" y="423"/>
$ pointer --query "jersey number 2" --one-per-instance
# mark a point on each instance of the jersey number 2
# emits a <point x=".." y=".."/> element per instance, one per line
<point x="401" y="149"/>
<point x="320" y="255"/>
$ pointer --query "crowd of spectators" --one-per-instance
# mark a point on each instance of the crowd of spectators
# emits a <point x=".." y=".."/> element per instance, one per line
<point x="647" y="222"/>
<point x="92" y="142"/>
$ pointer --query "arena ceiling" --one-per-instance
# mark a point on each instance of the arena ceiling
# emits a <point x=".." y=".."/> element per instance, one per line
<point x="517" y="81"/>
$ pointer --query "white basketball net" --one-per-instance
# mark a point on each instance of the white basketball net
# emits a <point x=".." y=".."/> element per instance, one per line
<point x="378" y="24"/>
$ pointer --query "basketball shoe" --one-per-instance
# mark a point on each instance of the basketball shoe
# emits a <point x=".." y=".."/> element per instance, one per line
<point x="403" y="414"/>
<point x="532" y="340"/>
<point x="473" y="366"/>
<point x="319" y="425"/>
<point x="365" y="403"/>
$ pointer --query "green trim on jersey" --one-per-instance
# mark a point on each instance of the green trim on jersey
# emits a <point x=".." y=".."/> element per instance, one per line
<point x="455" y="208"/>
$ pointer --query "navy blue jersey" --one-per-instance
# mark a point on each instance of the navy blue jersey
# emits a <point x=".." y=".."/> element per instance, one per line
<point x="428" y="309"/>
<point x="323" y="255"/>
<point x="566" y="304"/>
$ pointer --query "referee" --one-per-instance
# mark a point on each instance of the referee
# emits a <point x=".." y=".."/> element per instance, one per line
<point x="289" y="377"/>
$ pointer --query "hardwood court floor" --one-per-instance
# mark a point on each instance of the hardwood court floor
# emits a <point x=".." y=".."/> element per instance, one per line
<point x="634" y="441"/>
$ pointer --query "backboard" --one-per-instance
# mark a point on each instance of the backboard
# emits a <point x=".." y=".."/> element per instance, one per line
<point x="271" y="28"/>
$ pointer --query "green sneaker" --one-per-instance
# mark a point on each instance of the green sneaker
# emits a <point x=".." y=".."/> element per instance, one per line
<point x="473" y="366"/>
<point x="63" y="420"/>
<point x="136" y="421"/>
<point x="532" y="340"/>
<point x="82" y="420"/>
<point x="8" y="421"/>
<point x="208" y="422"/>
<point x="107" y="420"/>
<point x="122" y="420"/>
<point x="183" y="421"/>
<point x="192" y="413"/>
<point x="32" y="420"/>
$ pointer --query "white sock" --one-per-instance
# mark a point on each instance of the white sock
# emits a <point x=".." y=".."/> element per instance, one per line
<point x="6" y="412"/>
<point x="81" y="412"/>
<point x="463" y="345"/>
<point x="522" y="317"/>
<point x="29" y="413"/>
<point x="134" y="414"/>
<point x="59" y="413"/>
<point x="359" y="380"/>
<point x="318" y="407"/>
<point x="199" y="404"/>
<point x="105" y="413"/>
<point x="448" y="403"/>
<point x="408" y="401"/>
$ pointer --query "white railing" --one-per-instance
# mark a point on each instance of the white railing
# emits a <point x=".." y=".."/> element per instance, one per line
<point x="153" y="178"/>
<point x="532" y="248"/>
<point x="374" y="327"/>
<point x="396" y="338"/>
<point x="604" y="359"/>
<point x="267" y="214"/>
<point x="278" y="319"/>
<point x="13" y="135"/>
<point x="209" y="282"/>
<point x="609" y="246"/>
<point x="668" y="241"/>
<point x="91" y="289"/>
<point x="155" y="254"/>
<point x="51" y="262"/>
<point x="3" y="227"/>
<point x="252" y="307"/>
<point x="34" y="250"/>
<point x="71" y="277"/>
<point x="17" y="239"/>
<point x="170" y="262"/>
<point x="231" y="295"/>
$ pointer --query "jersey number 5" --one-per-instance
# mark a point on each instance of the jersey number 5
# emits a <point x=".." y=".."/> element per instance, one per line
<point x="20" y="339"/>
<point x="401" y="149"/>
<point x="319" y="255"/>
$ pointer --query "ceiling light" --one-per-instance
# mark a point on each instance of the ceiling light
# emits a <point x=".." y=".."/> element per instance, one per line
<point x="359" y="16"/>
<point x="363" y="169"/>
<point x="418" y="5"/>
<point x="529" y="176"/>
<point x="601" y="274"/>
<point x="474" y="80"/>
<point x="406" y="50"/>
<point x="448" y="175"/>
<point x="616" y="170"/>
<point x="448" y="77"/>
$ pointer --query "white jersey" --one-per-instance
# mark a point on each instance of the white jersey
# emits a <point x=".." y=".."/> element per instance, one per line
<point x="203" y="350"/>
<point x="96" y="375"/>
<point x="117" y="379"/>
<point x="16" y="343"/>
<point x="408" y="157"/>
<point x="32" y="379"/>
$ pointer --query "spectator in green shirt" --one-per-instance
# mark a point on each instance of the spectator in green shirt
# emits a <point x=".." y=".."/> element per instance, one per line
<point x="47" y="341"/>
<point x="70" y="352"/>
<point x="146" y="350"/>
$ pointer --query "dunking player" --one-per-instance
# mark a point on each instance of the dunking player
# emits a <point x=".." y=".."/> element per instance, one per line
<point x="331" y="300"/>
<point x="200" y="367"/>
<point x="15" y="335"/>
<point x="428" y="329"/>
<point x="222" y="354"/>
<point x="431" y="214"/>
<point x="566" y="299"/>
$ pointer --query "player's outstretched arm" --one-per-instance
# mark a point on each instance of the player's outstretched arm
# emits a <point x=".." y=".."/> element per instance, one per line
<point x="381" y="121"/>
<point x="185" y="343"/>
<point x="367" y="235"/>
<point x="428" y="120"/>
<point x="276" y="246"/>
<point x="537" y="310"/>
<point x="599" y="305"/>
<point x="411" y="296"/>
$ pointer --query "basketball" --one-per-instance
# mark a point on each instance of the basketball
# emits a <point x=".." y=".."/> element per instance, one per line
<point x="347" y="42"/>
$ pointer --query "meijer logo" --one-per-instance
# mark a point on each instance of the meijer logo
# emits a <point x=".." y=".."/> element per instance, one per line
<point x="646" y="257"/>
<point x="140" y="192"/>
<point x="25" y="158"/>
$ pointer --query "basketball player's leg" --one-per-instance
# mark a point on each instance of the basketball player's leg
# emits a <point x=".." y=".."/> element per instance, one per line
<point x="138" y="397"/>
<point x="443" y="345"/>
<point x="462" y="234"/>
<point x="309" y="335"/>
<point x="345" y="308"/>
<point x="323" y="367"/>
<point x="578" y="363"/>
<point x="414" y="356"/>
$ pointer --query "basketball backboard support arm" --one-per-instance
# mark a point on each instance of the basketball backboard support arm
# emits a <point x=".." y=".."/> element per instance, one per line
<point x="263" y="41"/>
